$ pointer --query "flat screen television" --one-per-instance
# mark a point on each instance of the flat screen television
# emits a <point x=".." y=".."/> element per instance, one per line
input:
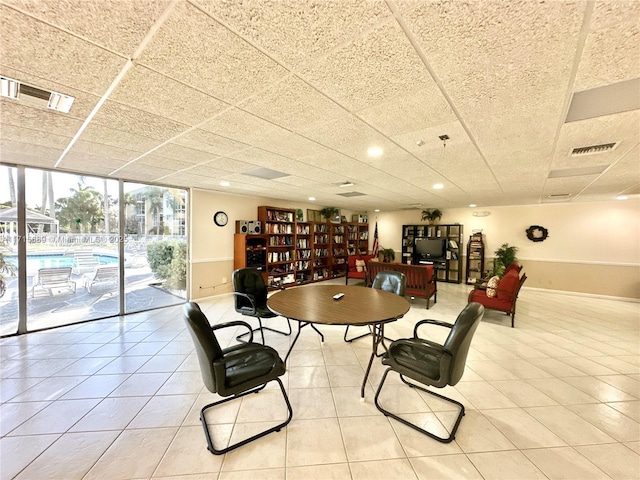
<point x="431" y="247"/>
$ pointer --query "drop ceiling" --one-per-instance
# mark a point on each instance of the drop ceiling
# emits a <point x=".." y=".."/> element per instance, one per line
<point x="192" y="92"/>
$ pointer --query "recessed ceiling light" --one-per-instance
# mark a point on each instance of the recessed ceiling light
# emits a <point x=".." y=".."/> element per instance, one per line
<point x="312" y="199"/>
<point x="374" y="151"/>
<point x="420" y="143"/>
<point x="377" y="210"/>
<point x="438" y="186"/>
<point x="622" y="197"/>
<point x="472" y="205"/>
<point x="224" y="183"/>
<point x="60" y="103"/>
<point x="8" y="87"/>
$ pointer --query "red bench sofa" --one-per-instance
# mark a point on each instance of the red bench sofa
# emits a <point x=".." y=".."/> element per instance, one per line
<point x="421" y="280"/>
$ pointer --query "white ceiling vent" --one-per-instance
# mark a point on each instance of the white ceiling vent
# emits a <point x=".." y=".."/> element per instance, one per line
<point x="591" y="149"/>
<point x="34" y="96"/>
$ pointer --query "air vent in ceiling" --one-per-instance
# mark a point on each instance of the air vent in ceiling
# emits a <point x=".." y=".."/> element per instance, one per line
<point x="352" y="194"/>
<point x="591" y="149"/>
<point x="559" y="195"/>
<point x="34" y="96"/>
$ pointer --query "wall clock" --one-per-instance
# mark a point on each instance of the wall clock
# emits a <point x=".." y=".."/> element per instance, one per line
<point x="220" y="218"/>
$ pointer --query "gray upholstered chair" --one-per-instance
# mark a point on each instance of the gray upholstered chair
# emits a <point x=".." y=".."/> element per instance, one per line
<point x="251" y="299"/>
<point x="233" y="372"/>
<point x="393" y="282"/>
<point x="432" y="364"/>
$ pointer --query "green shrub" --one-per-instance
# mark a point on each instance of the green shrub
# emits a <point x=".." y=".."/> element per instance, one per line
<point x="168" y="261"/>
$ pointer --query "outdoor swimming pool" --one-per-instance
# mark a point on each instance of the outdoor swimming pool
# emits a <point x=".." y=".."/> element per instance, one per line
<point x="53" y="260"/>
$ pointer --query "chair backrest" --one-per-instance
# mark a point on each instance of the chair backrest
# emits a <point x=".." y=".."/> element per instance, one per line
<point x="249" y="281"/>
<point x="54" y="275"/>
<point x="389" y="281"/>
<point x="459" y="339"/>
<point x="513" y="266"/>
<point x="106" y="273"/>
<point x="207" y="346"/>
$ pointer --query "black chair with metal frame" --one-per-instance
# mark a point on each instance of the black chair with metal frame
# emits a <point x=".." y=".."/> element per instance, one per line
<point x="251" y="299"/>
<point x="233" y="372"/>
<point x="432" y="364"/>
<point x="389" y="281"/>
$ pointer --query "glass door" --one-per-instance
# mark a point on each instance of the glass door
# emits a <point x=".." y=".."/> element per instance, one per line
<point x="8" y="251"/>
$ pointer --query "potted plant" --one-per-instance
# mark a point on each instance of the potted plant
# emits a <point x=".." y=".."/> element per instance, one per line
<point x="431" y="214"/>
<point x="329" y="212"/>
<point x="388" y="255"/>
<point x="504" y="256"/>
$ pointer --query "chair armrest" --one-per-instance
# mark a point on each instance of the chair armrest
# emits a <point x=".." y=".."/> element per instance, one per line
<point x="430" y="322"/>
<point x="443" y="355"/>
<point x="247" y="349"/>
<point x="248" y="297"/>
<point x="235" y="323"/>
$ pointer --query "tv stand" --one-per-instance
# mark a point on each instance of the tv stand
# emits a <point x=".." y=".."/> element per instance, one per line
<point x="436" y="262"/>
<point x="449" y="268"/>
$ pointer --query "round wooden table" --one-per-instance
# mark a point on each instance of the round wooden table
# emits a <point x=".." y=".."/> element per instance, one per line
<point x="314" y="304"/>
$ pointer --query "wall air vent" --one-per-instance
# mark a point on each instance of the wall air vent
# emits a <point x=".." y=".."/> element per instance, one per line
<point x="591" y="149"/>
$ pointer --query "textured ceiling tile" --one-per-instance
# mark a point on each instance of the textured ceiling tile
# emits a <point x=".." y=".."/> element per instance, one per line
<point x="185" y="155"/>
<point x="242" y="127"/>
<point x="209" y="142"/>
<point x="143" y="173"/>
<point x="422" y="108"/>
<point x="90" y="164"/>
<point x="27" y="160"/>
<point x="23" y="116"/>
<point x="61" y="58"/>
<point x="115" y="24"/>
<point x="623" y="175"/>
<point x="290" y="144"/>
<point x="108" y="153"/>
<point x="35" y="137"/>
<point x="162" y="162"/>
<point x="192" y="46"/>
<point x="572" y="185"/>
<point x="152" y="92"/>
<point x="613" y="12"/>
<point x="224" y="165"/>
<point x="610" y="55"/>
<point x="292" y="103"/>
<point x="295" y="33"/>
<point x="137" y="122"/>
<point x="117" y="138"/>
<point x="365" y="72"/>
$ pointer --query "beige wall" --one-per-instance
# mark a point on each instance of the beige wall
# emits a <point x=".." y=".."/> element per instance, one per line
<point x="592" y="247"/>
<point x="211" y="247"/>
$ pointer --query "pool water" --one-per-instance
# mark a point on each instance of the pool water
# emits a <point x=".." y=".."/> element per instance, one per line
<point x="54" y="260"/>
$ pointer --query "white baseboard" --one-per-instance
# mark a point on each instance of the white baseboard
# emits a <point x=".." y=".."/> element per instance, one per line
<point x="583" y="294"/>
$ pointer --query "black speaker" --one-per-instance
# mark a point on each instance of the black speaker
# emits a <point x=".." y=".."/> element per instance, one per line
<point x="242" y="226"/>
<point x="255" y="226"/>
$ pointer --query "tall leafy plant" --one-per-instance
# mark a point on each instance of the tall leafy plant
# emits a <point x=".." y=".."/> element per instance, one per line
<point x="504" y="256"/>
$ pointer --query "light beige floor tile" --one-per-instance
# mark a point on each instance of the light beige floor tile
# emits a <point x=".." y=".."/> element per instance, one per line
<point x="399" y="469"/>
<point x="617" y="364"/>
<point x="349" y="404"/>
<point x="635" y="446"/>
<point x="123" y="459"/>
<point x="187" y="454"/>
<point x="324" y="446"/>
<point x="379" y="443"/>
<point x="624" y="383"/>
<point x="599" y="389"/>
<point x="609" y="420"/>
<point x="561" y="391"/>
<point x="445" y="467"/>
<point x="221" y="414"/>
<point x="140" y="384"/>
<point x="110" y="414"/>
<point x="341" y="354"/>
<point x="83" y="367"/>
<point x="616" y="460"/>
<point x="18" y="452"/>
<point x="476" y="433"/>
<point x="306" y="358"/>
<point x="556" y="367"/>
<point x="630" y="409"/>
<point x="124" y="365"/>
<point x="522" y="393"/>
<point x="569" y="426"/>
<point x="97" y="386"/>
<point x="345" y="375"/>
<point x="265" y="474"/>
<point x="10" y="387"/>
<point x="308" y="377"/>
<point x="14" y="414"/>
<point x="417" y="444"/>
<point x="50" y="388"/>
<point x="312" y="403"/>
<point x="70" y="457"/>
<point x="338" y="471"/>
<point x="484" y="395"/>
<point x="266" y="452"/>
<point x="491" y="370"/>
<point x="164" y="411"/>
<point x="505" y="465"/>
<point x="163" y="363"/>
<point x="58" y="417"/>
<point x="564" y="463"/>
<point x="182" y="383"/>
<point x="588" y="366"/>
<point x="522" y="429"/>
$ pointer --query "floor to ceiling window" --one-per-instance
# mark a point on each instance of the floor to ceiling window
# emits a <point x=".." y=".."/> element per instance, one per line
<point x="74" y="240"/>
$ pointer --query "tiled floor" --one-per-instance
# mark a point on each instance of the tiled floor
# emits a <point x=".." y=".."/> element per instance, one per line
<point x="557" y="397"/>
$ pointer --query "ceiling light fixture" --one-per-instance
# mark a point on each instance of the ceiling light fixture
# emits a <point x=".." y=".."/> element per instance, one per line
<point x="8" y="87"/>
<point x="622" y="197"/>
<point x="60" y="103"/>
<point x="472" y="205"/>
<point x="224" y="183"/>
<point x="312" y="199"/>
<point x="377" y="210"/>
<point x="420" y="143"/>
<point x="374" y="151"/>
<point x="438" y="186"/>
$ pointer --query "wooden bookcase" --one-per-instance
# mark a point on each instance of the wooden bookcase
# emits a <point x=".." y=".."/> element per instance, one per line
<point x="304" y="251"/>
<point x="338" y="250"/>
<point x="279" y="226"/>
<point x="449" y="268"/>
<point x="475" y="259"/>
<point x="250" y="251"/>
<point x="321" y="258"/>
